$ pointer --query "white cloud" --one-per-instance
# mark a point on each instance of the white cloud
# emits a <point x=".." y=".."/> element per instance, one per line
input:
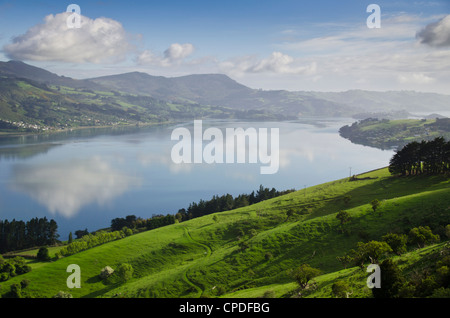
<point x="174" y="55"/>
<point x="281" y="63"/>
<point x="66" y="187"/>
<point x="178" y="52"/>
<point x="277" y="63"/>
<point x="415" y="78"/>
<point x="96" y="41"/>
<point x="349" y="57"/>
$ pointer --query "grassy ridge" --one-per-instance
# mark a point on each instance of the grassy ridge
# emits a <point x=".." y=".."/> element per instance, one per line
<point x="248" y="251"/>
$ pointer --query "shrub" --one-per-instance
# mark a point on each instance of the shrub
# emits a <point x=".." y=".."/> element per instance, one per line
<point x="397" y="242"/>
<point x="422" y="235"/>
<point x="343" y="216"/>
<point x="127" y="231"/>
<point x="441" y="293"/>
<point x="24" y="283"/>
<point x="375" y="204"/>
<point x="340" y="289"/>
<point x="125" y="271"/>
<point x="4" y="277"/>
<point x="10" y="269"/>
<point x="42" y="254"/>
<point x="269" y="294"/>
<point x="106" y="272"/>
<point x="23" y="269"/>
<point x="62" y="294"/>
<point x="16" y="291"/>
<point x="303" y="274"/>
<point x="391" y="280"/>
<point x="372" y="251"/>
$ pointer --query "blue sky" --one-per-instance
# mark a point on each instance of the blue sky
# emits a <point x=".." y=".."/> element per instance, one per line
<point x="320" y="45"/>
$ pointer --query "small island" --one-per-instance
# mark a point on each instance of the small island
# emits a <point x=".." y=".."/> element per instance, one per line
<point x="393" y="134"/>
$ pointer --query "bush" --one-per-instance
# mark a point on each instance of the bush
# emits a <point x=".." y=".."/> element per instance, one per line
<point x="24" y="283"/>
<point x="392" y="280"/>
<point x="303" y="274"/>
<point x="125" y="271"/>
<point x="23" y="269"/>
<point x="340" y="289"/>
<point x="441" y="293"/>
<point x="371" y="251"/>
<point x="106" y="272"/>
<point x="62" y="294"/>
<point x="269" y="294"/>
<point x="9" y="268"/>
<point x="43" y="254"/>
<point x="16" y="291"/>
<point x="4" y="277"/>
<point x="127" y="231"/>
<point x="397" y="242"/>
<point x="422" y="235"/>
<point x="343" y="216"/>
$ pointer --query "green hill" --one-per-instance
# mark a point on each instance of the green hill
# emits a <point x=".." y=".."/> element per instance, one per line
<point x="386" y="134"/>
<point x="248" y="252"/>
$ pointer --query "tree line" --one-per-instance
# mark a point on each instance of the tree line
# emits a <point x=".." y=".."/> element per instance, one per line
<point x="17" y="235"/>
<point x="227" y="202"/>
<point x="88" y="241"/>
<point x="203" y="207"/>
<point x="133" y="222"/>
<point x="425" y="157"/>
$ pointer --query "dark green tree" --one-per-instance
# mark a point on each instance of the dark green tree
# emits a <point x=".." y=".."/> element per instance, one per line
<point x="397" y="242"/>
<point x="422" y="235"/>
<point x="16" y="291"/>
<point x="43" y="254"/>
<point x="303" y="274"/>
<point x="343" y="217"/>
<point x="375" y="204"/>
<point x="391" y="280"/>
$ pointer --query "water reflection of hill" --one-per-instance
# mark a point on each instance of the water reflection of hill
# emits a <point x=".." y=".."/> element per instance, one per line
<point x="65" y="187"/>
<point x="25" y="151"/>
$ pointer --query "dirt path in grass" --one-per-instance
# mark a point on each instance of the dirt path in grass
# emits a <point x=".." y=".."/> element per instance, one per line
<point x="207" y="254"/>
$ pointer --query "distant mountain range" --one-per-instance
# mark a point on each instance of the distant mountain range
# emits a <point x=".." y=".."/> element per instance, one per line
<point x="140" y="97"/>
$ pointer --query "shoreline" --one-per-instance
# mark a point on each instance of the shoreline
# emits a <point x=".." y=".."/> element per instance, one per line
<point x="72" y="129"/>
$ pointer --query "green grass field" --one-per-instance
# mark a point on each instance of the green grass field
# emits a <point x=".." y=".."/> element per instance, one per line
<point x="248" y="252"/>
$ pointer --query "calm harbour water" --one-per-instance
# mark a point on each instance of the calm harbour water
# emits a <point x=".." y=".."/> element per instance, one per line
<point x="84" y="179"/>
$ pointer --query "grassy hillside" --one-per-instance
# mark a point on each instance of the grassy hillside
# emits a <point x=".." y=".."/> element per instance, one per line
<point x="248" y="252"/>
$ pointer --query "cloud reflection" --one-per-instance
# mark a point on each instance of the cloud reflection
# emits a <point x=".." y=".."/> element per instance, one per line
<point x="66" y="187"/>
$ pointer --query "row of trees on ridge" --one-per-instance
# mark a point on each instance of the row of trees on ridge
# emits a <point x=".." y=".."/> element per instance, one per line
<point x="425" y="157"/>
